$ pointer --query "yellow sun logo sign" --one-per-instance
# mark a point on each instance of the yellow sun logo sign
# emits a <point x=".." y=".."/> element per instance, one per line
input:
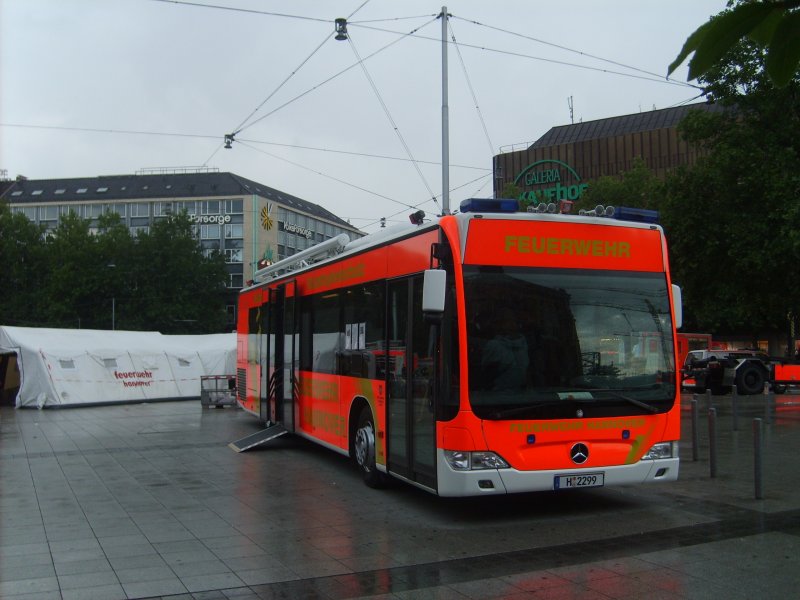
<point x="266" y="220"/>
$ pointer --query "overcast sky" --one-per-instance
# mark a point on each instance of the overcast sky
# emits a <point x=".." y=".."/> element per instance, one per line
<point x="163" y="82"/>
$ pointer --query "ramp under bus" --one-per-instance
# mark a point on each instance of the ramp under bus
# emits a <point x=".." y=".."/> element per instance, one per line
<point x="258" y="438"/>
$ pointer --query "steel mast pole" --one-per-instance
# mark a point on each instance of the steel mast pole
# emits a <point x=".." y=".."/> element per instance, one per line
<point x="445" y="122"/>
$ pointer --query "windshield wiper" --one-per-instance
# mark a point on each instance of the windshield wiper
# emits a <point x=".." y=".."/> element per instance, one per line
<point x="618" y="395"/>
<point x="511" y="412"/>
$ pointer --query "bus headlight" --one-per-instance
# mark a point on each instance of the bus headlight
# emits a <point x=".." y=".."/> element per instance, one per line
<point x="662" y="450"/>
<point x="474" y="461"/>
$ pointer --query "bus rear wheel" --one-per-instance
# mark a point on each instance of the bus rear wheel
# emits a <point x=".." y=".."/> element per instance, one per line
<point x="364" y="450"/>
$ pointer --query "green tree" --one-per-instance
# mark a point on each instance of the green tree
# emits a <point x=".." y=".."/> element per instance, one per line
<point x="733" y="218"/>
<point x="22" y="256"/>
<point x="83" y="276"/>
<point x="773" y="25"/>
<point x="637" y="188"/>
<point x="172" y="286"/>
<point x="73" y="287"/>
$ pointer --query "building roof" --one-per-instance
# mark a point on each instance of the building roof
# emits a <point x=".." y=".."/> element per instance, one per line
<point x="613" y="126"/>
<point x="121" y="188"/>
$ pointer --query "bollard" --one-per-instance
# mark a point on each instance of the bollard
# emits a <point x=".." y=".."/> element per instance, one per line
<point x="735" y="407"/>
<point x="708" y="399"/>
<point x="758" y="454"/>
<point x="712" y="441"/>
<point x="694" y="429"/>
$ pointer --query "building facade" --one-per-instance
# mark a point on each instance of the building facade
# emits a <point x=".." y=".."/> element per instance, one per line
<point x="562" y="163"/>
<point x="248" y="222"/>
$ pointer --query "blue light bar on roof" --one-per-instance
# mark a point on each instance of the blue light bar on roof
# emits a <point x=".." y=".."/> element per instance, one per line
<point x="640" y="215"/>
<point x="489" y="205"/>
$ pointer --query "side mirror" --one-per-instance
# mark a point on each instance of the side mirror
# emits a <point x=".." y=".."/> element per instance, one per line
<point x="433" y="291"/>
<point x="677" y="305"/>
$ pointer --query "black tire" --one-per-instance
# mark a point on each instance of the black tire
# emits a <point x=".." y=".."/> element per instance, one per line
<point x="750" y="380"/>
<point x="364" y="450"/>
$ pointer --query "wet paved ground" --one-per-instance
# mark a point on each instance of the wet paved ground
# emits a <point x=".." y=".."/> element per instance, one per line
<point x="147" y="501"/>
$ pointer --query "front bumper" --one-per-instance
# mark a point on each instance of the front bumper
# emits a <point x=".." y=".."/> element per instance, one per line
<point x="511" y="481"/>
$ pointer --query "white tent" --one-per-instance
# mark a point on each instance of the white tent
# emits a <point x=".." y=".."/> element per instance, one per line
<point x="69" y="367"/>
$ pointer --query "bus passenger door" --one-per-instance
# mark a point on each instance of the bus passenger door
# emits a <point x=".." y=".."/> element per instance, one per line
<point x="411" y="426"/>
<point x="282" y="353"/>
<point x="291" y="357"/>
<point x="262" y="357"/>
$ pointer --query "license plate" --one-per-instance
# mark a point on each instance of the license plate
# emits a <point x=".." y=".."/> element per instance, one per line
<point x="582" y="480"/>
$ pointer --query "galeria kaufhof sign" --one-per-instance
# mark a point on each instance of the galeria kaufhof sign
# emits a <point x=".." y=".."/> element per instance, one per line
<point x="549" y="180"/>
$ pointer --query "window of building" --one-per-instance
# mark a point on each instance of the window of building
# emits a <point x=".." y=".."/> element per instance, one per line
<point x="143" y="229"/>
<point x="118" y="208"/>
<point x="162" y="209"/>
<point x="60" y="191"/>
<point x="109" y="363"/>
<point x="190" y="207"/>
<point x="102" y="190"/>
<point x="82" y="190"/>
<point x="66" y="209"/>
<point x="234" y="206"/>
<point x="209" y="207"/>
<point x="236" y="280"/>
<point x="93" y="211"/>
<point x="66" y="363"/>
<point x="48" y="213"/>
<point x="17" y="193"/>
<point x="234" y="230"/>
<point x="36" y="193"/>
<point x="209" y="232"/>
<point x="233" y="255"/>
<point x="139" y="209"/>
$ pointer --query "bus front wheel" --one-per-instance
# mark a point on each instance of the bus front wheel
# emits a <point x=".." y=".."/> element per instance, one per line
<point x="364" y="450"/>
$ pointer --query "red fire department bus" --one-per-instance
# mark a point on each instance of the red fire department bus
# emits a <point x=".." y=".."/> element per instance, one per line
<point x="489" y="351"/>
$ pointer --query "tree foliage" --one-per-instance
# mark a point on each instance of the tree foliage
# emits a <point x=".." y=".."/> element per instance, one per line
<point x="23" y="266"/>
<point x="637" y="188"/>
<point x="76" y="277"/>
<point x="733" y="217"/>
<point x="773" y="25"/>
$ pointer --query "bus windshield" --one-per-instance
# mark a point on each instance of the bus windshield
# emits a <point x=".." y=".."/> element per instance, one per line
<point x="561" y="343"/>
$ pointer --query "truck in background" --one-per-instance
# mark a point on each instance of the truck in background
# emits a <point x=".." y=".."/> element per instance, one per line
<point x="719" y="370"/>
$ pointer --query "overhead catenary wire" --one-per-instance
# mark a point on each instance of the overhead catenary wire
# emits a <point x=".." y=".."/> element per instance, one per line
<point x="362" y="154"/>
<point x="654" y="78"/>
<point x="336" y="75"/>
<point x="560" y="47"/>
<point x="471" y="89"/>
<point x="326" y="175"/>
<point x="242" y="10"/>
<point x="391" y="120"/>
<point x="215" y="137"/>
<point x="327" y="37"/>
